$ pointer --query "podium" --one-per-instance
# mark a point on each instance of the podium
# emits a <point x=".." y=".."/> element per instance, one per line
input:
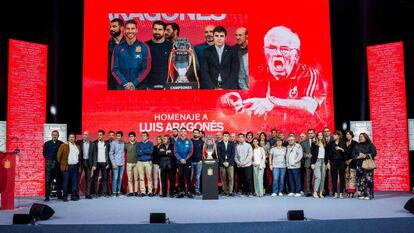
<point x="210" y="179"/>
<point x="7" y="178"/>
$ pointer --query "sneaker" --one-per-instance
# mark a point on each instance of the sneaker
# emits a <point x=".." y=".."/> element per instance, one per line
<point x="150" y="195"/>
<point x="367" y="198"/>
<point x="189" y="195"/>
<point x="298" y="195"/>
<point x="315" y="195"/>
<point x="274" y="194"/>
<point x="335" y="196"/>
<point x="341" y="196"/>
<point x="136" y="194"/>
<point x="361" y="198"/>
<point x="172" y="195"/>
<point x="302" y="193"/>
<point x="231" y="194"/>
<point x="291" y="194"/>
<point x="198" y="194"/>
<point x="280" y="194"/>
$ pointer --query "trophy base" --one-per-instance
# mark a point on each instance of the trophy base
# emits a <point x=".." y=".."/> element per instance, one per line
<point x="181" y="86"/>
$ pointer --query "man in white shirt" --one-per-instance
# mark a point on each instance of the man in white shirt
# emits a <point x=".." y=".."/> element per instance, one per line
<point x="244" y="159"/>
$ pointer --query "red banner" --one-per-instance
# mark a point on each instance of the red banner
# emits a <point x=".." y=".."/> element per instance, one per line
<point x="26" y="113"/>
<point x="388" y="113"/>
<point x="289" y="65"/>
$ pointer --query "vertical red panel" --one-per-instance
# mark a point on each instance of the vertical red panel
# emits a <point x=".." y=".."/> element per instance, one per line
<point x="26" y="113"/>
<point x="389" y="115"/>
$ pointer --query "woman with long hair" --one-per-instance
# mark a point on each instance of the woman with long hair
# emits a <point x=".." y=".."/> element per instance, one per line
<point x="365" y="178"/>
<point x="318" y="164"/>
<point x="259" y="158"/>
<point x="336" y="152"/>
<point x="266" y="146"/>
<point x="350" y="170"/>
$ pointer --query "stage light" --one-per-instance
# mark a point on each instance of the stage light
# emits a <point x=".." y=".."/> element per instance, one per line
<point x="41" y="212"/>
<point x="294" y="215"/>
<point x="409" y="206"/>
<point x="158" y="218"/>
<point x="53" y="110"/>
<point x="344" y="126"/>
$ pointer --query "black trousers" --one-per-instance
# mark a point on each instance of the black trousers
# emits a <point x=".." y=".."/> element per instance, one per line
<point x="102" y="168"/>
<point x="246" y="179"/>
<point x="170" y="173"/>
<point x="87" y="169"/>
<point x="52" y="171"/>
<point x="338" y="169"/>
<point x="184" y="177"/>
<point x="238" y="182"/>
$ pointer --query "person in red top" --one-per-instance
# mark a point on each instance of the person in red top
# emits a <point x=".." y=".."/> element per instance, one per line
<point x="295" y="91"/>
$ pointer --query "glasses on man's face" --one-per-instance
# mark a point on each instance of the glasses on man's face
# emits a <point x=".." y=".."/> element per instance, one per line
<point x="285" y="50"/>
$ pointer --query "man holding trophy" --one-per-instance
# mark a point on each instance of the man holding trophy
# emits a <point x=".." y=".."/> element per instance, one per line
<point x="182" y="66"/>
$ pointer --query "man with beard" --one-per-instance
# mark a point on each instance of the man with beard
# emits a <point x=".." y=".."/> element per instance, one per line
<point x="131" y="60"/>
<point x="116" y="29"/>
<point x="52" y="171"/>
<point x="295" y="91"/>
<point x="241" y="46"/>
<point x="172" y="32"/>
<point x="160" y="49"/>
<point x="174" y="135"/>
<point x="196" y="159"/>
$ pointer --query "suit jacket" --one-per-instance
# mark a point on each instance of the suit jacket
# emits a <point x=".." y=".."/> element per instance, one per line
<point x="306" y="146"/>
<point x="315" y="153"/>
<point x="230" y="152"/>
<point x="63" y="157"/>
<point x="228" y="68"/>
<point x="167" y="160"/>
<point x="107" y="148"/>
<point x="91" y="153"/>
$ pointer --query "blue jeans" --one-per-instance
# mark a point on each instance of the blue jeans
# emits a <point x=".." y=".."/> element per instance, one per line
<point x="295" y="180"/>
<point x="117" y="178"/>
<point x="196" y="168"/>
<point x="278" y="179"/>
<point x="72" y="175"/>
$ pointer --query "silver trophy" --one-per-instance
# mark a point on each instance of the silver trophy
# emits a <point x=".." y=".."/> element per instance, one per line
<point x="181" y="58"/>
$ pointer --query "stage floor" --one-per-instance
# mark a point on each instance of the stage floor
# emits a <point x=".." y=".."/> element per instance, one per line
<point x="135" y="210"/>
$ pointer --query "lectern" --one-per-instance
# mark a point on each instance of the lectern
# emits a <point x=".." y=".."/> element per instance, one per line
<point x="8" y="172"/>
<point x="210" y="179"/>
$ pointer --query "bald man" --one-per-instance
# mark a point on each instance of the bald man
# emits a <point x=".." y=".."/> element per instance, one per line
<point x="241" y="46"/>
<point x="208" y="34"/>
<point x="87" y="163"/>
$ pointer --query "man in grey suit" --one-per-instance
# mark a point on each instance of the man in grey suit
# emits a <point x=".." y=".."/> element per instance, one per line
<point x="306" y="145"/>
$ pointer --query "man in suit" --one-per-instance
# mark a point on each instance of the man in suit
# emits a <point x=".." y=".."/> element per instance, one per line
<point x="102" y="163"/>
<point x="307" y="156"/>
<point x="328" y="139"/>
<point x="87" y="162"/>
<point x="167" y="165"/>
<point x="220" y="64"/>
<point x="226" y="152"/>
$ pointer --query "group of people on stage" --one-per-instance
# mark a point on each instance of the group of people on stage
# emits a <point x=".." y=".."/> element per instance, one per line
<point x="247" y="164"/>
<point x="134" y="64"/>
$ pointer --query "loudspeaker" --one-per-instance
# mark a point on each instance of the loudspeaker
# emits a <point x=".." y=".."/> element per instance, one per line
<point x="157" y="217"/>
<point x="410" y="205"/>
<point x="22" y="219"/>
<point x="41" y="211"/>
<point x="293" y="215"/>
